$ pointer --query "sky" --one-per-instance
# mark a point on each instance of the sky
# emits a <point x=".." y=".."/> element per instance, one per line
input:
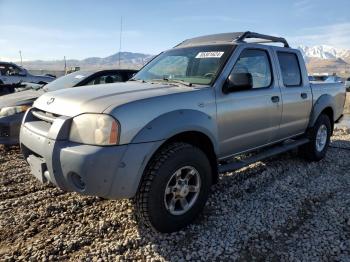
<point x="78" y="29"/>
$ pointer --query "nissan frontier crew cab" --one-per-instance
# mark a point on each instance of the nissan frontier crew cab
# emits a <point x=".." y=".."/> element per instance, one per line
<point x="163" y="137"/>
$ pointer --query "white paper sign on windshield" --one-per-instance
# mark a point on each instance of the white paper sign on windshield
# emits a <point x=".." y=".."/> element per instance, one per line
<point x="213" y="54"/>
<point x="79" y="76"/>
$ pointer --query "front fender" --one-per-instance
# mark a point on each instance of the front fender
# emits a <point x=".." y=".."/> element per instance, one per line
<point x="322" y="103"/>
<point x="176" y="122"/>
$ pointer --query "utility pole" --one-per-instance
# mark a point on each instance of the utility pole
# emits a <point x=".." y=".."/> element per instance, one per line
<point x="65" y="65"/>
<point x="120" y="38"/>
<point x="20" y="55"/>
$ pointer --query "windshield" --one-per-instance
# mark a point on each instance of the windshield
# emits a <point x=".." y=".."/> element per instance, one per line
<point x="195" y="65"/>
<point x="67" y="81"/>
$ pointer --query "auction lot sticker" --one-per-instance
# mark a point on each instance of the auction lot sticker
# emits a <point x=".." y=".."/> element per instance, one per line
<point x="214" y="54"/>
<point x="79" y="76"/>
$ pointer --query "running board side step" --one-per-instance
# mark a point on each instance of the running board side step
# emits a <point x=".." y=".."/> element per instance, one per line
<point x="232" y="166"/>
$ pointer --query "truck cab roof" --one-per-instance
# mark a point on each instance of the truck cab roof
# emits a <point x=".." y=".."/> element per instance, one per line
<point x="233" y="38"/>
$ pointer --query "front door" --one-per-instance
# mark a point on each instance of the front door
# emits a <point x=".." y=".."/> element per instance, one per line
<point x="249" y="119"/>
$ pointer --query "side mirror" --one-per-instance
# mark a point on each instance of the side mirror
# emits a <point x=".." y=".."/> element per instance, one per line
<point x="238" y="82"/>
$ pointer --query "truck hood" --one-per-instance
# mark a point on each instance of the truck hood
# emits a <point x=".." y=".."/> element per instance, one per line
<point x="96" y="99"/>
<point x="20" y="98"/>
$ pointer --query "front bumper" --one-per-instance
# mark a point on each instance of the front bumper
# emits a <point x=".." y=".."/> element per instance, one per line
<point x="111" y="172"/>
<point x="9" y="129"/>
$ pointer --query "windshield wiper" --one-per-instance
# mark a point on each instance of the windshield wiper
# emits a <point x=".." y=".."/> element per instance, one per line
<point x="179" y="81"/>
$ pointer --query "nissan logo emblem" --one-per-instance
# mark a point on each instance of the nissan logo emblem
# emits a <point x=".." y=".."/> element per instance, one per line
<point x="50" y="101"/>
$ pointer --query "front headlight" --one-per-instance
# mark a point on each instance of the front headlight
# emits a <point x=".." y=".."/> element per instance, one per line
<point x="9" y="111"/>
<point x="94" y="129"/>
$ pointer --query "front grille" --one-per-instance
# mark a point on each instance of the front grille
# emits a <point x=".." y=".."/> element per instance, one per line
<point x="44" y="116"/>
<point x="40" y="121"/>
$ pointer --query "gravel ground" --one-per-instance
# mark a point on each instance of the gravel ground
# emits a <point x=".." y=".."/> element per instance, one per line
<point x="280" y="209"/>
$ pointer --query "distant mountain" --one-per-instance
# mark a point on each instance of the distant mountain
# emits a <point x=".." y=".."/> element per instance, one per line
<point x="127" y="60"/>
<point x="326" y="59"/>
<point x="319" y="59"/>
<point x="325" y="52"/>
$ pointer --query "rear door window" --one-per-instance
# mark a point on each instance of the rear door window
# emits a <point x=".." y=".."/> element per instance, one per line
<point x="129" y="75"/>
<point x="290" y="69"/>
<point x="106" y="79"/>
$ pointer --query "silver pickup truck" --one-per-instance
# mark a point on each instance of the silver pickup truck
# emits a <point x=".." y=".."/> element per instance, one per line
<point x="163" y="137"/>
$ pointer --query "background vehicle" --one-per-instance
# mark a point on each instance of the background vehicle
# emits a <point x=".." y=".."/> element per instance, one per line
<point x="318" y="78"/>
<point x="10" y="73"/>
<point x="163" y="138"/>
<point x="334" y="79"/>
<point x="13" y="106"/>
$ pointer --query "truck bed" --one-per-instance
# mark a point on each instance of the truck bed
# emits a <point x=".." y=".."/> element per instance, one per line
<point x="336" y="90"/>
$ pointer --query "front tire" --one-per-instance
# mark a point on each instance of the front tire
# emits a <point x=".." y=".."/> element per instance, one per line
<point x="319" y="136"/>
<point x="175" y="187"/>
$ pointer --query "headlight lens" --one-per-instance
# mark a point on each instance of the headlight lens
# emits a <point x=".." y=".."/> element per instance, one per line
<point x="94" y="129"/>
<point x="9" y="111"/>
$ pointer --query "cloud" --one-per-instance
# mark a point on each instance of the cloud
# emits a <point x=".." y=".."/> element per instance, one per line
<point x="337" y="35"/>
<point x="303" y="6"/>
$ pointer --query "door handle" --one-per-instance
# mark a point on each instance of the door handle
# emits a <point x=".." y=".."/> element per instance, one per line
<point x="303" y="95"/>
<point x="275" y="99"/>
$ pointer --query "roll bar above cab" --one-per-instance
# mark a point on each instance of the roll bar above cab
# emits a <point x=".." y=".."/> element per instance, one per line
<point x="264" y="38"/>
<point x="235" y="37"/>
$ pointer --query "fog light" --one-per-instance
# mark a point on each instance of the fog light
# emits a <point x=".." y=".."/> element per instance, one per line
<point x="77" y="181"/>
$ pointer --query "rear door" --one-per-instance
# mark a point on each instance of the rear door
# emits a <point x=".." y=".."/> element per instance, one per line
<point x="296" y="93"/>
<point x="250" y="119"/>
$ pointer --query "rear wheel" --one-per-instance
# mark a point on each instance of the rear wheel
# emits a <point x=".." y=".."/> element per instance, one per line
<point x="175" y="187"/>
<point x="319" y="136"/>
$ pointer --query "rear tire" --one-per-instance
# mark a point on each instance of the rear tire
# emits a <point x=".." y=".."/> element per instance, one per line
<point x="319" y="136"/>
<point x="174" y="188"/>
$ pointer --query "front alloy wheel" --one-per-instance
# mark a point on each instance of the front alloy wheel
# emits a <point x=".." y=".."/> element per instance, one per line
<point x="182" y="190"/>
<point x="174" y="188"/>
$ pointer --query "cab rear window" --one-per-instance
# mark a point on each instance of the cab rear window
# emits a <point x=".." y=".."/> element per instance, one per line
<point x="290" y="69"/>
